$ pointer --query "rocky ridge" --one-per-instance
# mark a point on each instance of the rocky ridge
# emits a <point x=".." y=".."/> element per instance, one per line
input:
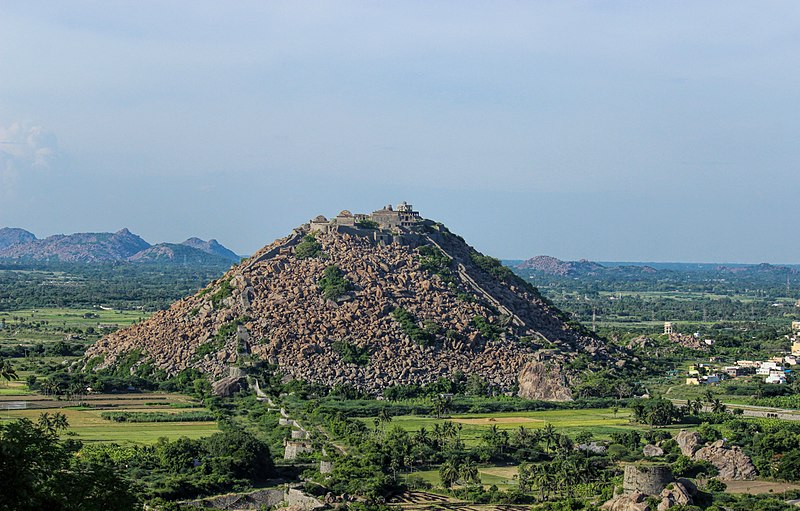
<point x="11" y="236"/>
<point x="271" y="307"/>
<point x="121" y="246"/>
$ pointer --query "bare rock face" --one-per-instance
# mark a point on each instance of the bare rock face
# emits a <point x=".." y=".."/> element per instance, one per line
<point x="652" y="451"/>
<point x="689" y="442"/>
<point x="545" y="382"/>
<point x="732" y="462"/>
<point x="478" y="318"/>
<point x="228" y="386"/>
<point x="676" y="494"/>
<point x="629" y="502"/>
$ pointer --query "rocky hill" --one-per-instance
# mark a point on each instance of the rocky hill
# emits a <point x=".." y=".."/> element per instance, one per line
<point x="102" y="247"/>
<point x="372" y="307"/>
<point x="173" y="253"/>
<point x="553" y="266"/>
<point x="212" y="247"/>
<point x="11" y="236"/>
<point x="80" y="247"/>
<point x="583" y="268"/>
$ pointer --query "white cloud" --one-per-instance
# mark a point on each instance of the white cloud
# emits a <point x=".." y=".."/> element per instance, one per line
<point x="25" y="150"/>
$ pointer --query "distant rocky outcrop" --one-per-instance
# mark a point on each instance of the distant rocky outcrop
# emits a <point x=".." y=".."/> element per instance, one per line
<point x="212" y="247"/>
<point x="80" y="247"/>
<point x="173" y="253"/>
<point x="553" y="266"/>
<point x="12" y="236"/>
<point x="582" y="268"/>
<point x="417" y="302"/>
<point x="121" y="246"/>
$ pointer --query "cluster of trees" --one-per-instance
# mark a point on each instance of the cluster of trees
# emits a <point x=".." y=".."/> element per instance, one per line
<point x="39" y="471"/>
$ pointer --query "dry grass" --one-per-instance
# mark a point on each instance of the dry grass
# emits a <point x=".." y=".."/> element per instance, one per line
<point x="758" y="487"/>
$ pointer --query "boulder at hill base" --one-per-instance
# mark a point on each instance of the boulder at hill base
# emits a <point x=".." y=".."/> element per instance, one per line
<point x="367" y="300"/>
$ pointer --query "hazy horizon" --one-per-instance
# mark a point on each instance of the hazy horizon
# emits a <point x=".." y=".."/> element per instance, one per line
<point x="612" y="131"/>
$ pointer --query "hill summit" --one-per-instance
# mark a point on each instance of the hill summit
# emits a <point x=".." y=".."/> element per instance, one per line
<point x="372" y="301"/>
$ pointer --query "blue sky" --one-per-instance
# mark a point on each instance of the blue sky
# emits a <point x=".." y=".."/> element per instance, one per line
<point x="660" y="131"/>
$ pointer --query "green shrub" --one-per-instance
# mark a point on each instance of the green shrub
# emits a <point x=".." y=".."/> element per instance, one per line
<point x="433" y="260"/>
<point x="351" y="354"/>
<point x="493" y="267"/>
<point x="308" y="248"/>
<point x="486" y="329"/>
<point x="408" y="323"/>
<point x="224" y="291"/>
<point x="333" y="284"/>
<point x="158" y="416"/>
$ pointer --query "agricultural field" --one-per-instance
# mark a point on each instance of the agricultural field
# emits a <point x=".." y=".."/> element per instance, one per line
<point x="600" y="422"/>
<point x="35" y="332"/>
<point x="86" y="423"/>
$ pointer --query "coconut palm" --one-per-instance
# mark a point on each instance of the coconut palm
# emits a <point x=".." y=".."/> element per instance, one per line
<point x="7" y="371"/>
<point x="384" y="417"/>
<point x="469" y="472"/>
<point x="449" y="473"/>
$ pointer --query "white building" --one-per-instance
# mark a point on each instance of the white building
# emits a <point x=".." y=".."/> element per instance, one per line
<point x="776" y="378"/>
<point x="767" y="367"/>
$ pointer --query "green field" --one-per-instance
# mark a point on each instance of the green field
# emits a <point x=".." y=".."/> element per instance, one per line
<point x="75" y="317"/>
<point x="600" y="422"/>
<point x="86" y="424"/>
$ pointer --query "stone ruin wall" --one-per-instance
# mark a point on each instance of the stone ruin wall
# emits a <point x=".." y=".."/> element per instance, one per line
<point x="649" y="479"/>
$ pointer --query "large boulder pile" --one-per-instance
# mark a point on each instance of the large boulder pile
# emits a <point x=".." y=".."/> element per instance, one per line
<point x="479" y="321"/>
<point x="732" y="462"/>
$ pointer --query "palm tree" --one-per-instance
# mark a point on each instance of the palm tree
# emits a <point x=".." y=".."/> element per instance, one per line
<point x="7" y="371"/>
<point x="422" y="437"/>
<point x="449" y="473"/>
<point x="469" y="472"/>
<point x="524" y="477"/>
<point x="549" y="435"/>
<point x="543" y="479"/>
<point x="717" y="406"/>
<point x="442" y="405"/>
<point x="384" y="417"/>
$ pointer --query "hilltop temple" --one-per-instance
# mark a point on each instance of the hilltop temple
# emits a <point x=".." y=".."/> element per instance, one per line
<point x="387" y="218"/>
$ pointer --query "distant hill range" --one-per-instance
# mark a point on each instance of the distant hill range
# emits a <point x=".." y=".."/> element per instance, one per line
<point x="583" y="268"/>
<point x="120" y="246"/>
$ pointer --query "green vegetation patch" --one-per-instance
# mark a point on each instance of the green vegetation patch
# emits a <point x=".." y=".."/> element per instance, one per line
<point x="308" y="248"/>
<point x="351" y="354"/>
<point x="425" y="335"/>
<point x="433" y="260"/>
<point x="486" y="329"/>
<point x="333" y="284"/>
<point x="224" y="291"/>
<point x="196" y="416"/>
<point x="366" y="223"/>
<point x="493" y="267"/>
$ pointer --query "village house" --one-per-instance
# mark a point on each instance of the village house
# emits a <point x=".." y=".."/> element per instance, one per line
<point x="767" y="367"/>
<point x="776" y="378"/>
